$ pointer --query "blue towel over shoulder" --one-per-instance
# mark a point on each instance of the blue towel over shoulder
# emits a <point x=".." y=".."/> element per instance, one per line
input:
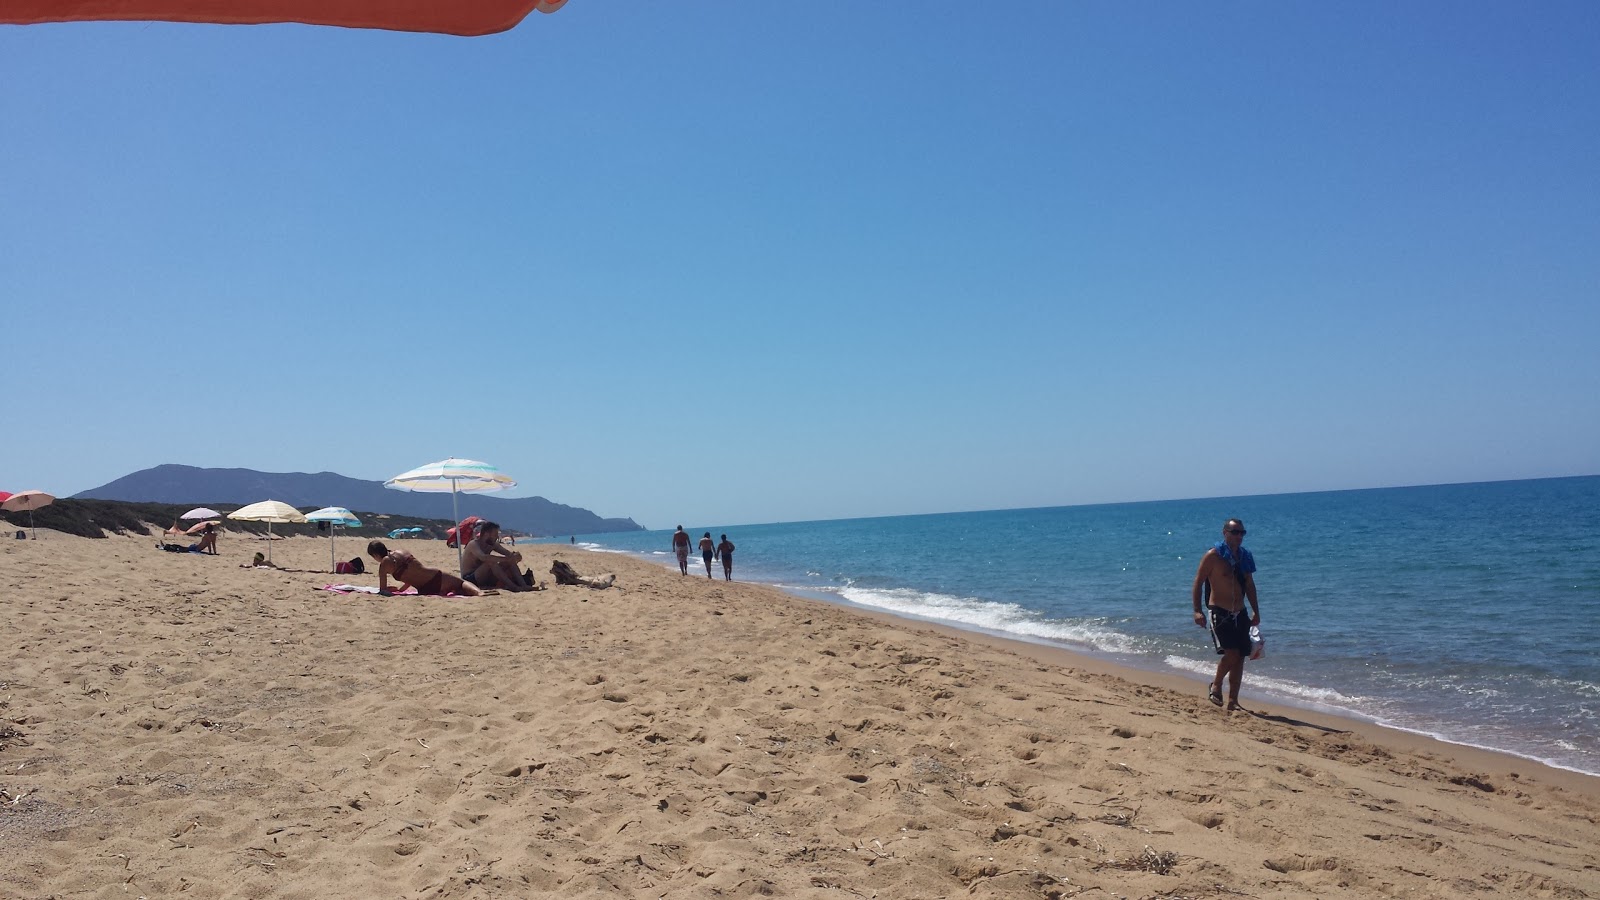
<point x="1244" y="565"/>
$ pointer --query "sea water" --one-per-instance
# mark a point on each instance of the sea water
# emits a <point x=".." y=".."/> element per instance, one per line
<point x="1469" y="613"/>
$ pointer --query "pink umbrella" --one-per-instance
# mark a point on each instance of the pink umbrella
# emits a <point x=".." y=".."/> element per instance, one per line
<point x="4" y="496"/>
<point x="30" y="501"/>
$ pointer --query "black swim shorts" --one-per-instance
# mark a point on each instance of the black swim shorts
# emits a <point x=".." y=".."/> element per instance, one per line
<point x="1232" y="630"/>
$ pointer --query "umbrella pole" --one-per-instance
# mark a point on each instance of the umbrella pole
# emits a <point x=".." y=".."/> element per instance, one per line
<point x="269" y="540"/>
<point x="30" y="524"/>
<point x="331" y="564"/>
<point x="455" y="511"/>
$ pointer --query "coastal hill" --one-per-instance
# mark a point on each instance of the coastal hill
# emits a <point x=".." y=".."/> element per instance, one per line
<point x="237" y="487"/>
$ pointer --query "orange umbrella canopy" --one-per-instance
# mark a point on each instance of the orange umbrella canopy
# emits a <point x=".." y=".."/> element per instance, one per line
<point x="463" y="17"/>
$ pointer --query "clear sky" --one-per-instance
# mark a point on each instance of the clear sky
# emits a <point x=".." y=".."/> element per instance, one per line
<point x="735" y="262"/>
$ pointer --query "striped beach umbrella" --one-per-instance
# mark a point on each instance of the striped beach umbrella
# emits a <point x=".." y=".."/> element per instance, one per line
<point x="456" y="476"/>
<point x="336" y="517"/>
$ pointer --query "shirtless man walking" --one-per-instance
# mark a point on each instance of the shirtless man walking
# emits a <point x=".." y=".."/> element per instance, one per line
<point x="488" y="565"/>
<point x="1228" y="570"/>
<point x="680" y="546"/>
<point x="725" y="553"/>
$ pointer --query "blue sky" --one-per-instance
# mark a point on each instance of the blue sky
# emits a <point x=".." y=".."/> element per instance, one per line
<point x="746" y="262"/>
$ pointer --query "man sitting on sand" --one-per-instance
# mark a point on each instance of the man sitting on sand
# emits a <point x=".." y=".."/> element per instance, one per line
<point x="488" y="565"/>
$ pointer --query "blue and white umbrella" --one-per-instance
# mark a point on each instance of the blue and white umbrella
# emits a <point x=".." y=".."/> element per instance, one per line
<point x="453" y="475"/>
<point x="336" y="517"/>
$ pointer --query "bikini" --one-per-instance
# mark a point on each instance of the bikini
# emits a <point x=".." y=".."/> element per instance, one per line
<point x="432" y="585"/>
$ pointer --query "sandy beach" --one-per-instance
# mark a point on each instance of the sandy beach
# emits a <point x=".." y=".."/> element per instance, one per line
<point x="175" y="725"/>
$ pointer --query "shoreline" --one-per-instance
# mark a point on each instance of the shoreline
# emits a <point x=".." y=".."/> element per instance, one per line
<point x="1501" y="762"/>
<point x="176" y="723"/>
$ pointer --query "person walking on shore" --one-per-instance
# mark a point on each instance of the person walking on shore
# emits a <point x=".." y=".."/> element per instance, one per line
<point x="725" y="553"/>
<point x="680" y="546"/>
<point x="708" y="550"/>
<point x="1226" y="577"/>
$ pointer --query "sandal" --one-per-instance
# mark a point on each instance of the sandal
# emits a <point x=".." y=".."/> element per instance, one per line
<point x="1215" y="695"/>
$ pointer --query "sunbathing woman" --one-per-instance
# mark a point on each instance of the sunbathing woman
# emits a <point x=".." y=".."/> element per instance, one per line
<point x="404" y="568"/>
<point x="208" y="540"/>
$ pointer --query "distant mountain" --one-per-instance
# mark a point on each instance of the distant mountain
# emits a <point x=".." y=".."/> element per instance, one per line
<point x="188" y="484"/>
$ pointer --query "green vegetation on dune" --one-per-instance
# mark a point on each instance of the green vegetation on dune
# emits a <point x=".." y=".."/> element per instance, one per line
<point x="97" y="518"/>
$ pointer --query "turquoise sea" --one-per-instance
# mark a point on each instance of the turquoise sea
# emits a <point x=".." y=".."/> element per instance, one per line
<point x="1466" y="612"/>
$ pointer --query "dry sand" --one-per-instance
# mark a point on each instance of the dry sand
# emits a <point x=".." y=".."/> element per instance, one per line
<point x="174" y="725"/>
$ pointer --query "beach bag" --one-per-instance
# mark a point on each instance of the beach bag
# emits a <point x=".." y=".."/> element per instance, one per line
<point x="350" y="567"/>
<point x="460" y="535"/>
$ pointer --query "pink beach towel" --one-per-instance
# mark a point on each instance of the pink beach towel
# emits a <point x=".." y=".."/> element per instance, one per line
<point x="368" y="589"/>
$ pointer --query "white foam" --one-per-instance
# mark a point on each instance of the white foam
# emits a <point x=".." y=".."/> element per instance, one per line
<point x="1001" y="618"/>
<point x="1303" y="693"/>
<point x="1362" y="708"/>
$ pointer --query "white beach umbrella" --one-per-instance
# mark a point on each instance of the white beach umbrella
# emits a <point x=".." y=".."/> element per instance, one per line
<point x="456" y="476"/>
<point x="336" y="517"/>
<point x="268" y="511"/>
<point x="30" y="501"/>
<point x="201" y="512"/>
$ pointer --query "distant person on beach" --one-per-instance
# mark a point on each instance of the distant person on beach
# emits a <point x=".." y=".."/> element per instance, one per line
<point x="485" y="563"/>
<point x="404" y="568"/>
<point x="1226" y="580"/>
<point x="708" y="551"/>
<point x="725" y="553"/>
<point x="208" y="540"/>
<point x="680" y="546"/>
<point x="259" y="561"/>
